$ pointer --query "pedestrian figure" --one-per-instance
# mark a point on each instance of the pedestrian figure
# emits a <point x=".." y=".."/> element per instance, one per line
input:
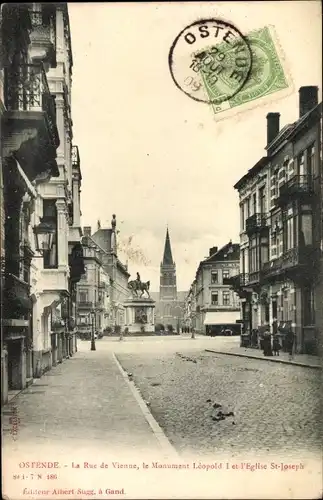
<point x="254" y="338"/>
<point x="290" y="338"/>
<point x="276" y="345"/>
<point x="267" y="344"/>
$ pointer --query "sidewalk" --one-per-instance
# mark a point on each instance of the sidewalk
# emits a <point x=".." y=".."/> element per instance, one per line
<point x="85" y="403"/>
<point x="247" y="352"/>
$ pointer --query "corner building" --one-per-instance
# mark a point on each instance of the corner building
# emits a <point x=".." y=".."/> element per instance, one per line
<point x="280" y="280"/>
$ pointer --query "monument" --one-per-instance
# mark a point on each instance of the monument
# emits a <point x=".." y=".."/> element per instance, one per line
<point x="139" y="309"/>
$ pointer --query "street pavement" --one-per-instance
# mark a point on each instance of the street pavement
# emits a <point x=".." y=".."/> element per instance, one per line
<point x="99" y="406"/>
<point x="275" y="406"/>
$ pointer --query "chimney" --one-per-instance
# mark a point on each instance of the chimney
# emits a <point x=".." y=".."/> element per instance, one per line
<point x="87" y="231"/>
<point x="308" y="99"/>
<point x="212" y="251"/>
<point x="272" y="126"/>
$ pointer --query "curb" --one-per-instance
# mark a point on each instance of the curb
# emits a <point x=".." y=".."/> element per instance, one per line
<point x="275" y="360"/>
<point x="166" y="446"/>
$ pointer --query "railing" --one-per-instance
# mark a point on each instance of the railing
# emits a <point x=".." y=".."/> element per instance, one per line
<point x="297" y="184"/>
<point x="254" y="277"/>
<point x="296" y="256"/>
<point x="256" y="221"/>
<point x="85" y="304"/>
<point x="271" y="268"/>
<point x="28" y="90"/>
<point x="237" y="280"/>
<point x="43" y="22"/>
<point x="244" y="279"/>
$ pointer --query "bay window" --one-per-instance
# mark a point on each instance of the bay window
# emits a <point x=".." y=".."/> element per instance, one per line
<point x="50" y="216"/>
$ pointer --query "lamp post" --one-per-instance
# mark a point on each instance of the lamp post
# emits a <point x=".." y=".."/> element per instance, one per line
<point x="93" y="347"/>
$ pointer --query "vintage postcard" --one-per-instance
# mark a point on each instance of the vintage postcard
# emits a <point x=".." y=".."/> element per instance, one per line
<point x="161" y="250"/>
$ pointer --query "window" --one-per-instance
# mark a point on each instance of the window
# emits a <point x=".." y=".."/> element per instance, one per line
<point x="243" y="260"/>
<point x="226" y="298"/>
<point x="253" y="255"/>
<point x="262" y="200"/>
<point x="300" y="164"/>
<point x="264" y="250"/>
<point x="225" y="274"/>
<point x="254" y="203"/>
<point x="242" y="214"/>
<point x="309" y="306"/>
<point x="289" y="229"/>
<point x="214" y="277"/>
<point x="248" y="208"/>
<point x="310" y="160"/>
<point x="83" y="296"/>
<point x="273" y="189"/>
<point x="214" y="299"/>
<point x="50" y="216"/>
<point x="306" y="230"/>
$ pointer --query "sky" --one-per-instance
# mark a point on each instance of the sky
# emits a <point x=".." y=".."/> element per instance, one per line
<point x="151" y="154"/>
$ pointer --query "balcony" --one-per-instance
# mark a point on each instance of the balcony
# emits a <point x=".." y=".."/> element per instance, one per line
<point x="16" y="297"/>
<point x="85" y="305"/>
<point x="255" y="223"/>
<point x="239" y="284"/>
<point x="298" y="187"/>
<point x="30" y="131"/>
<point x="237" y="281"/>
<point x="254" y="277"/>
<point x="43" y="34"/>
<point x="298" y="260"/>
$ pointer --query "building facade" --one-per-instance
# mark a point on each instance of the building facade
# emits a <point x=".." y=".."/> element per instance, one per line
<point x="106" y="286"/>
<point x="37" y="188"/>
<point x="280" y="281"/>
<point x="211" y="305"/>
<point x="170" y="303"/>
<point x="92" y="291"/>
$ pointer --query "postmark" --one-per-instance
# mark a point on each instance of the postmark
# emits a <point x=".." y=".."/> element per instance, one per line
<point x="210" y="61"/>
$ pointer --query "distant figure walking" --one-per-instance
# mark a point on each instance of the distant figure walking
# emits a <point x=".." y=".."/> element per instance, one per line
<point x="276" y="345"/>
<point x="290" y="340"/>
<point x="267" y="344"/>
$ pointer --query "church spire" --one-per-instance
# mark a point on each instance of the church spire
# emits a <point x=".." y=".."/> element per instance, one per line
<point x="168" y="258"/>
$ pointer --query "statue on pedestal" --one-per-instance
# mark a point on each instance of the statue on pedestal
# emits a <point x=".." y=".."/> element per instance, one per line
<point x="139" y="287"/>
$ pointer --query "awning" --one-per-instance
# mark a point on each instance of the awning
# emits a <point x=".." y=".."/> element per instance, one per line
<point x="221" y="318"/>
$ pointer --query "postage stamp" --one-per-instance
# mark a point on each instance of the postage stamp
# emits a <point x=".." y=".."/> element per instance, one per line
<point x="269" y="75"/>
<point x="210" y="61"/>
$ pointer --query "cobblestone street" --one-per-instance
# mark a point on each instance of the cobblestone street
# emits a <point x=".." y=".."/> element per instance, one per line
<point x="275" y="406"/>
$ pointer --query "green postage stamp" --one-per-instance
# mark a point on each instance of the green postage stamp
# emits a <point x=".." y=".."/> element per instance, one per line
<point x="269" y="75"/>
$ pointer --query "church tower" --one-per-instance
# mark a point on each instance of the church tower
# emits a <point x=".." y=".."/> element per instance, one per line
<point x="168" y="287"/>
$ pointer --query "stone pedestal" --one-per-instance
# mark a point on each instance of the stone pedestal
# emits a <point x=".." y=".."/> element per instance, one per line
<point x="140" y="316"/>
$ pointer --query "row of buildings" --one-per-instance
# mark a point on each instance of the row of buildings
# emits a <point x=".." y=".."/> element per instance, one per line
<point x="40" y="176"/>
<point x="280" y="276"/>
<point x="103" y="288"/>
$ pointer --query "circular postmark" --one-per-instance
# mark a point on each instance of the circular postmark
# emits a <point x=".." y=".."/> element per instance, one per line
<point x="210" y="61"/>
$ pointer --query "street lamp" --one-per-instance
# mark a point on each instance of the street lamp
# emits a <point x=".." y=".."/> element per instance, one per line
<point x="44" y="236"/>
<point x="92" y="313"/>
